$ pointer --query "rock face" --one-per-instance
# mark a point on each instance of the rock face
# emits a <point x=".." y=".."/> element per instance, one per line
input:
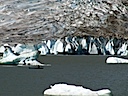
<point x="30" y="21"/>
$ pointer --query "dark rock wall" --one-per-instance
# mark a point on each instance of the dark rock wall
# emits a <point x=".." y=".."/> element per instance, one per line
<point x="30" y="21"/>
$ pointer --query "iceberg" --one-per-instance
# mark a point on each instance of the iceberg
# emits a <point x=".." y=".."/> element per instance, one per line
<point x="72" y="90"/>
<point x="115" y="60"/>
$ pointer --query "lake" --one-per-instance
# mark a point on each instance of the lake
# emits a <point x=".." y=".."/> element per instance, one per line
<point x="88" y="71"/>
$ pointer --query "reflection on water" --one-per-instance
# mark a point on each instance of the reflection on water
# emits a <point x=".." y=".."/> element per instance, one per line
<point x="49" y="95"/>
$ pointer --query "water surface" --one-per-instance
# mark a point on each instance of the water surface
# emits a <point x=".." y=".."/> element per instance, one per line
<point x="88" y="71"/>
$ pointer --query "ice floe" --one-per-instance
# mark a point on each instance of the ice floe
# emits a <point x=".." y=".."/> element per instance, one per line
<point x="72" y="90"/>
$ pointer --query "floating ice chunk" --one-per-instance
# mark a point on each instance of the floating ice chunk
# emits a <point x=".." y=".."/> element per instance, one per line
<point x="116" y="60"/>
<point x="104" y="92"/>
<point x="72" y="90"/>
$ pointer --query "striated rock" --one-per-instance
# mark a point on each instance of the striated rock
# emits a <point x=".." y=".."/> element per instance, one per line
<point x="30" y="21"/>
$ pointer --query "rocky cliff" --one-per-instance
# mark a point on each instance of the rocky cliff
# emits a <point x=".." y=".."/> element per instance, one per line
<point x="30" y="21"/>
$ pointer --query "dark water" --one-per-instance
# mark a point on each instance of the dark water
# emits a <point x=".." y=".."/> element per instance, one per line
<point x="88" y="71"/>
